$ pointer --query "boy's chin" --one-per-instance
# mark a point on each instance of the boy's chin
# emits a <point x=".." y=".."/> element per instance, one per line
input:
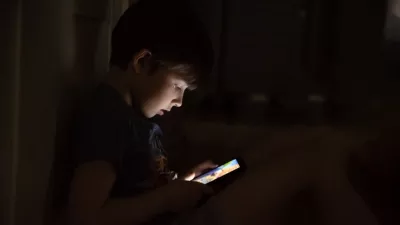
<point x="151" y="115"/>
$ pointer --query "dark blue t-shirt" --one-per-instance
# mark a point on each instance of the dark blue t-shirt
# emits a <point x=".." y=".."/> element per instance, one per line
<point x="115" y="132"/>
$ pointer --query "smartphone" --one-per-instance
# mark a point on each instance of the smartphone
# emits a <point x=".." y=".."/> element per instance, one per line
<point x="230" y="167"/>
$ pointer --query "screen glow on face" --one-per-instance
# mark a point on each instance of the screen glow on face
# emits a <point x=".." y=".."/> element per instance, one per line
<point x="218" y="172"/>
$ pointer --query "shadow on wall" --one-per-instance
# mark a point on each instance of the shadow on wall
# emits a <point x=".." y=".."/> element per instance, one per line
<point x="77" y="88"/>
<point x="63" y="163"/>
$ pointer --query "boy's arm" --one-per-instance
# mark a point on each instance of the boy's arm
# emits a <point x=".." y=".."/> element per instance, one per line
<point x="89" y="201"/>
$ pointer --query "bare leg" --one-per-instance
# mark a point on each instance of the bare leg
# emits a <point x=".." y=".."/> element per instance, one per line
<point x="255" y="198"/>
<point x="340" y="204"/>
<point x="338" y="201"/>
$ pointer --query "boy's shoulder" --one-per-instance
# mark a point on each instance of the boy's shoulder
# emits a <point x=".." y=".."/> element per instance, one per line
<point x="105" y="99"/>
<point x="107" y="106"/>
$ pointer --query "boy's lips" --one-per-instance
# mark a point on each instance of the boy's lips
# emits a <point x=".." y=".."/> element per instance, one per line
<point x="162" y="111"/>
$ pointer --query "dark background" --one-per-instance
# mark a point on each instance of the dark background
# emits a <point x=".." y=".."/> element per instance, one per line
<point x="271" y="56"/>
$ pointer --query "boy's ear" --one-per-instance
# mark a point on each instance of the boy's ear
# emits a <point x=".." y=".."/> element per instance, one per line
<point x="139" y="60"/>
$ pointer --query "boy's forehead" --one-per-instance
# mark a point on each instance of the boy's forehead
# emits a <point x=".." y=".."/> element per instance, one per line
<point x="181" y="79"/>
<point x="177" y="77"/>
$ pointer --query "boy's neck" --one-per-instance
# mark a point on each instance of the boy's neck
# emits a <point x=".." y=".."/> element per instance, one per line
<point x="118" y="80"/>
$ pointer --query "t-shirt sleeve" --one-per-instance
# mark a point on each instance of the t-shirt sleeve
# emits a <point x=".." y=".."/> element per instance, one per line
<point x="100" y="137"/>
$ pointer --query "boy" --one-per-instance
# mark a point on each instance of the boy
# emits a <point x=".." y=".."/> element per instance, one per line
<point x="122" y="176"/>
<point x="158" y="50"/>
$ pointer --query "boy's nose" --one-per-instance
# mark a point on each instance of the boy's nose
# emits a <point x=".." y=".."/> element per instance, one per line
<point x="177" y="102"/>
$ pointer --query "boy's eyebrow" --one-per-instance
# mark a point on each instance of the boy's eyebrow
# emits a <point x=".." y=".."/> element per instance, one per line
<point x="189" y="81"/>
<point x="183" y="84"/>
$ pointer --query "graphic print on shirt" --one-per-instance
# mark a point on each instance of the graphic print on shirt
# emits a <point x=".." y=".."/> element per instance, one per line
<point x="161" y="163"/>
<point x="160" y="156"/>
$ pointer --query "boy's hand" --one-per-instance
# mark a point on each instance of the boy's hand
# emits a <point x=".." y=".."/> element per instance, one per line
<point x="196" y="171"/>
<point x="181" y="195"/>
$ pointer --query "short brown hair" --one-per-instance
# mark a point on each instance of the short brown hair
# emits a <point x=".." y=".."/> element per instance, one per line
<point x="170" y="30"/>
<point x="186" y="71"/>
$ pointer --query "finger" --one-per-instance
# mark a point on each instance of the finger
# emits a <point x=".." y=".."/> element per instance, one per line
<point x="204" y="166"/>
<point x="189" y="177"/>
<point x="205" y="189"/>
<point x="207" y="165"/>
<point x="208" y="190"/>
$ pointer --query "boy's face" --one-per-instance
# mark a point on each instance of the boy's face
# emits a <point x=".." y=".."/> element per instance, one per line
<point x="156" y="93"/>
<point x="161" y="92"/>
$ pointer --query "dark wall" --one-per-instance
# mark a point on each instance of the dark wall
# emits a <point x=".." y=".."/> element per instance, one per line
<point x="295" y="48"/>
<point x="358" y="72"/>
<point x="9" y="78"/>
<point x="264" y="46"/>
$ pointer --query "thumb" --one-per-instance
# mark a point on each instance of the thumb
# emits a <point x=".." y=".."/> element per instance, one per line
<point x="204" y="166"/>
<point x="208" y="165"/>
<point x="189" y="177"/>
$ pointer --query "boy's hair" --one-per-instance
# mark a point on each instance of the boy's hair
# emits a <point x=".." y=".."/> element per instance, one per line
<point x="169" y="29"/>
